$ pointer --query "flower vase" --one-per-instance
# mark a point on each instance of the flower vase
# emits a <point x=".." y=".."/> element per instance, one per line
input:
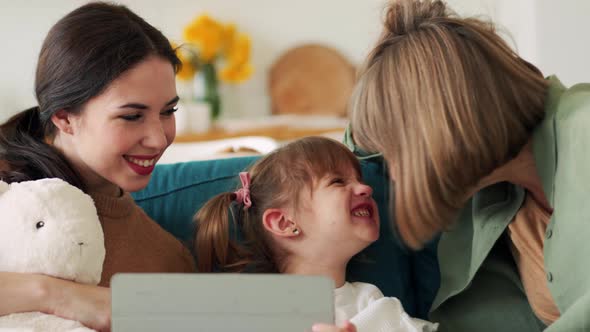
<point x="209" y="90"/>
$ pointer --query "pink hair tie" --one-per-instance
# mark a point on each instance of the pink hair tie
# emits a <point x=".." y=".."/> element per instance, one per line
<point x="243" y="195"/>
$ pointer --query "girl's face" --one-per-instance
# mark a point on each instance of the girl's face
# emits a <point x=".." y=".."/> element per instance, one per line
<point x="118" y="137"/>
<point x="339" y="216"/>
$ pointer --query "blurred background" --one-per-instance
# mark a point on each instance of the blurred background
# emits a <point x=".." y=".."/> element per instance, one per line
<point x="551" y="34"/>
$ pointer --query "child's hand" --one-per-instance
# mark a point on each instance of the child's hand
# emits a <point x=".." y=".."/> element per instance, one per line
<point x="347" y="327"/>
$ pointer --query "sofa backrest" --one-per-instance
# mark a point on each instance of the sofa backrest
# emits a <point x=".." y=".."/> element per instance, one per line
<point x="177" y="191"/>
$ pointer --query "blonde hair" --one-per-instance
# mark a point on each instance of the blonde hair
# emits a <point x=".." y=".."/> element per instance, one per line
<point x="446" y="101"/>
<point x="276" y="182"/>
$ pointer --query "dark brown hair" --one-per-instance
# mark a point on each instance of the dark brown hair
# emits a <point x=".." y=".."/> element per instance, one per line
<point x="277" y="181"/>
<point x="82" y="54"/>
<point x="446" y="101"/>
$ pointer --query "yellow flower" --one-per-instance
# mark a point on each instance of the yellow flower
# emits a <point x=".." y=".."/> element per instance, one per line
<point x="229" y="35"/>
<point x="238" y="53"/>
<point x="209" y="41"/>
<point x="207" y="34"/>
<point x="187" y="70"/>
<point x="236" y="74"/>
<point x="237" y="58"/>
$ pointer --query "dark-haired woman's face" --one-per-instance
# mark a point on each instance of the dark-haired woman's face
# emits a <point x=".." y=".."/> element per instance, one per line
<point x="119" y="136"/>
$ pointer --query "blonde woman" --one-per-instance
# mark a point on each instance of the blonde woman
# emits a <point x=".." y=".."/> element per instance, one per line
<point x="486" y="150"/>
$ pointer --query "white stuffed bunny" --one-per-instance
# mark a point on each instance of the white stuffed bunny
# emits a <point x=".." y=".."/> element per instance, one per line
<point x="49" y="227"/>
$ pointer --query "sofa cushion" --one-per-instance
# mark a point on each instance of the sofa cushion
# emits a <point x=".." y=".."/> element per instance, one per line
<point x="177" y="191"/>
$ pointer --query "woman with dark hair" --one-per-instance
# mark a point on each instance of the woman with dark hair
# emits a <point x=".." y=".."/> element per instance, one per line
<point x="485" y="149"/>
<point x="105" y="84"/>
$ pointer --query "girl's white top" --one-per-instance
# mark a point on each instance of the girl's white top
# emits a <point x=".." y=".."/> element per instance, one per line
<point x="365" y="306"/>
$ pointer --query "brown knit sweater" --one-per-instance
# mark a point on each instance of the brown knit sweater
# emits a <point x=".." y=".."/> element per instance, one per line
<point x="134" y="242"/>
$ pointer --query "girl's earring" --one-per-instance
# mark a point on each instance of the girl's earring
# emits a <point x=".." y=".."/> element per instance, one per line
<point x="296" y="231"/>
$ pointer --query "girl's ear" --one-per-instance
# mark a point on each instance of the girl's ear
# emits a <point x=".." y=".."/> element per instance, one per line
<point x="278" y="223"/>
<point x="62" y="120"/>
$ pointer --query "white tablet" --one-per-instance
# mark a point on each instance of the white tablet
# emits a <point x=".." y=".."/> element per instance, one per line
<point x="220" y="302"/>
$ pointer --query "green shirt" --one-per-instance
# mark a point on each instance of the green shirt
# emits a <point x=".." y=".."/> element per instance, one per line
<point x="480" y="286"/>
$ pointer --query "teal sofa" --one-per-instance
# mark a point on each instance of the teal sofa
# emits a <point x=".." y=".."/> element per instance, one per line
<point x="177" y="191"/>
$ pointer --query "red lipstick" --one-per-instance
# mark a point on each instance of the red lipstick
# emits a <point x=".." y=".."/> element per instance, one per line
<point x="141" y="170"/>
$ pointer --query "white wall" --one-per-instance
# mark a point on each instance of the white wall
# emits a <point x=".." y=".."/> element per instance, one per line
<point x="547" y="32"/>
<point x="274" y="25"/>
<point x="563" y="28"/>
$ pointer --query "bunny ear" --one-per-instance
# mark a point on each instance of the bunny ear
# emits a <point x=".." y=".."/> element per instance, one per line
<point x="3" y="187"/>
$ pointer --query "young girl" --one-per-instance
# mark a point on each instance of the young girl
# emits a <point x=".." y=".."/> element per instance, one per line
<point x="303" y="209"/>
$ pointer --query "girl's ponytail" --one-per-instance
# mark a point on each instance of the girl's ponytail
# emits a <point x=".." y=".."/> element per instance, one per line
<point x="26" y="156"/>
<point x="212" y="245"/>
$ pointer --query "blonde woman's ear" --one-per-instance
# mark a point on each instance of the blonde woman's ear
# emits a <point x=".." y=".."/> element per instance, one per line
<point x="277" y="222"/>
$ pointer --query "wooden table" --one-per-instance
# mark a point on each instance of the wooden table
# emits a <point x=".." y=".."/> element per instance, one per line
<point x="277" y="132"/>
